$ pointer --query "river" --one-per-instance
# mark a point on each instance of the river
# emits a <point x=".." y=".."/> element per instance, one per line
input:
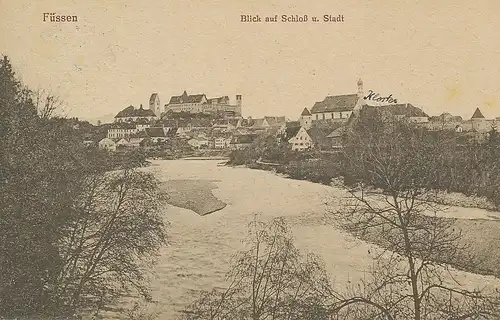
<point x="200" y="247"/>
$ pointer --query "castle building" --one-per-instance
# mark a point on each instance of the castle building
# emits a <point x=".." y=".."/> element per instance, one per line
<point x="199" y="103"/>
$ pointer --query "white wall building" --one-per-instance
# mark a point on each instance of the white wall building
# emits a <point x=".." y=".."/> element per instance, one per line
<point x="301" y="140"/>
<point x="107" y="144"/>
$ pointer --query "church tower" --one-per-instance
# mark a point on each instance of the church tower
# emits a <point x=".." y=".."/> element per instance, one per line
<point x="238" y="105"/>
<point x="360" y="102"/>
<point x="361" y="93"/>
<point x="154" y="104"/>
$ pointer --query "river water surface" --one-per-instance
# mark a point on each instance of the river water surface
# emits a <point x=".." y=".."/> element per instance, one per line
<point x="200" y="247"/>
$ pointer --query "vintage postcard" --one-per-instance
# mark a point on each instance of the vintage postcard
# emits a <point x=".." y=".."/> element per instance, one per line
<point x="223" y="160"/>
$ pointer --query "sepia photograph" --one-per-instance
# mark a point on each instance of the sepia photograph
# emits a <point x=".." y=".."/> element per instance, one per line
<point x="249" y="160"/>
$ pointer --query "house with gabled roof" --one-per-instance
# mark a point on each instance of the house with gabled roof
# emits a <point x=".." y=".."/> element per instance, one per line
<point x="299" y="139"/>
<point x="156" y="134"/>
<point x="259" y="124"/>
<point x="477" y="115"/>
<point x="336" y="136"/>
<point x="319" y="137"/>
<point x="107" y="144"/>
<point x="275" y="122"/>
<point x="226" y="124"/>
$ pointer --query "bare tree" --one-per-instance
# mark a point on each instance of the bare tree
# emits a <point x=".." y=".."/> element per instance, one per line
<point x="112" y="240"/>
<point x="46" y="103"/>
<point x="392" y="203"/>
<point x="271" y="280"/>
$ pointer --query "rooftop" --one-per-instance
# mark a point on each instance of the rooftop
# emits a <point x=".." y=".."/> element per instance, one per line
<point x="345" y="102"/>
<point x="130" y="111"/>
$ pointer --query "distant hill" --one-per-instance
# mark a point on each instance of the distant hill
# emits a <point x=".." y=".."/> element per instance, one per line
<point x="107" y="118"/>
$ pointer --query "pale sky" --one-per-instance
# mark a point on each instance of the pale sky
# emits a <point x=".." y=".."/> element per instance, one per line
<point x="439" y="55"/>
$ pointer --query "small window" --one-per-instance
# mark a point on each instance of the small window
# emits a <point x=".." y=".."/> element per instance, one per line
<point x="323" y="116"/>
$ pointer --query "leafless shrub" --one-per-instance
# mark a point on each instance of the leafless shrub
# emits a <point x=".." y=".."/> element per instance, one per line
<point x="46" y="103"/>
<point x="392" y="204"/>
<point x="271" y="280"/>
<point x="112" y="241"/>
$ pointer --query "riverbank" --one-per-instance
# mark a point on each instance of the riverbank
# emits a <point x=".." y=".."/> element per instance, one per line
<point x="201" y="248"/>
<point x="476" y="218"/>
<point x="324" y="172"/>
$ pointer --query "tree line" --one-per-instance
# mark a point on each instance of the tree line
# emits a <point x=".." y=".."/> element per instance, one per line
<point x="78" y="228"/>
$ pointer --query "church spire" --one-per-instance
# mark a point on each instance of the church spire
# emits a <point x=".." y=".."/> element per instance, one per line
<point x="360" y="89"/>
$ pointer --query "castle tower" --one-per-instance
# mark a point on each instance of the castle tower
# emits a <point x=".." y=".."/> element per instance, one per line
<point x="238" y="105"/>
<point x="306" y="119"/>
<point x="478" y="120"/>
<point x="154" y="104"/>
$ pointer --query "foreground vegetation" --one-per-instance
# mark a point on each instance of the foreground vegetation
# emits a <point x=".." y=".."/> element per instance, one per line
<point x="78" y="227"/>
<point x="272" y="279"/>
<point x="393" y="171"/>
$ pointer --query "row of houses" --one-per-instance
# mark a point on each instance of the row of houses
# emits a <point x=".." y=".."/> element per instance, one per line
<point x="324" y="125"/>
<point x="201" y="141"/>
<point x="321" y="126"/>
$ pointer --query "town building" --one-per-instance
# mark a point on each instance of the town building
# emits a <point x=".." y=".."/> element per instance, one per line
<point x="121" y="130"/>
<point x="405" y="111"/>
<point x="199" y="142"/>
<point x="221" y="142"/>
<point x="337" y="108"/>
<point x="131" y="114"/>
<point x="299" y="139"/>
<point x="336" y="137"/>
<point x="199" y="103"/>
<point x="156" y="134"/>
<point x="477" y="123"/>
<point x="226" y="125"/>
<point x="107" y="144"/>
<point x="242" y="141"/>
<point x="143" y="124"/>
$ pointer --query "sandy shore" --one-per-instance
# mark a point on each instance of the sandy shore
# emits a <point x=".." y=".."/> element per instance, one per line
<point x="195" y="195"/>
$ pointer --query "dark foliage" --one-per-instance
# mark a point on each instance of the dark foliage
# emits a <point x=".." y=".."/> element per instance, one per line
<point x="46" y="194"/>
